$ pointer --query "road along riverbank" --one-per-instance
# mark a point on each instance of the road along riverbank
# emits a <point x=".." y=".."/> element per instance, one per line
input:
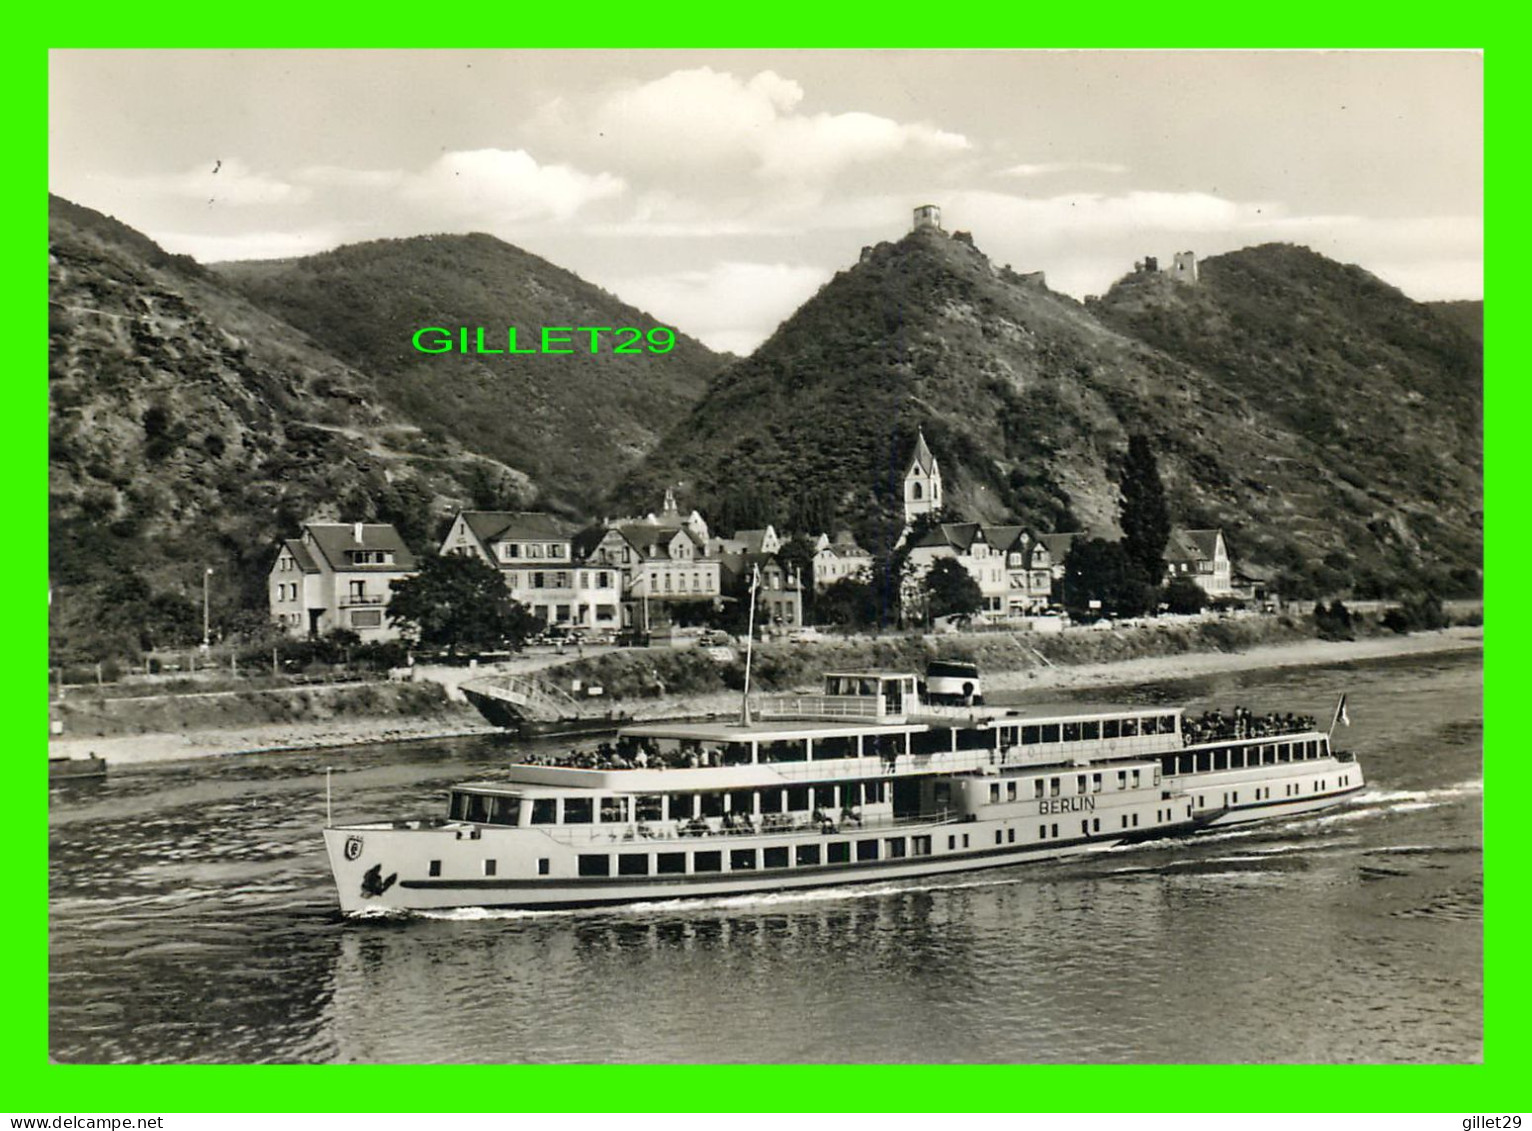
<point x="445" y="719"/>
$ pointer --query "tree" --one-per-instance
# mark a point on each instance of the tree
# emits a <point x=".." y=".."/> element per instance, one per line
<point x="459" y="601"/>
<point x="1098" y="570"/>
<point x="1183" y="595"/>
<point x="849" y="601"/>
<point x="950" y="589"/>
<point x="1145" y="517"/>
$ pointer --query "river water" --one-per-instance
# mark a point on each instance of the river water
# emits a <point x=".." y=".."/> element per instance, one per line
<point x="193" y="919"/>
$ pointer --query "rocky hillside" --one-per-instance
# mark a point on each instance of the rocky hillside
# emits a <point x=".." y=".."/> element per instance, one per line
<point x="1028" y="398"/>
<point x="1383" y="394"/>
<point x="572" y="422"/>
<point x="190" y="429"/>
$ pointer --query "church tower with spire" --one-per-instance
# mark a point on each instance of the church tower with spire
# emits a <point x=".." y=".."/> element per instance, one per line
<point x="922" y="482"/>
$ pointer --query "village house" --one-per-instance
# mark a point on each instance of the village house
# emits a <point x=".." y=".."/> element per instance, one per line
<point x="660" y="561"/>
<point x="1202" y="556"/>
<point x="1013" y="569"/>
<point x="779" y="596"/>
<point x="537" y="558"/>
<point x="339" y="576"/>
<point x="834" y="561"/>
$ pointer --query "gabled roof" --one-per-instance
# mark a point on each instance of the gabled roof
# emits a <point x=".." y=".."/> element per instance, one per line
<point x="655" y="536"/>
<point x="921" y="457"/>
<point x="514" y="526"/>
<point x="752" y="540"/>
<point x="1003" y="538"/>
<point x="301" y="555"/>
<point x="1059" y="544"/>
<point x="1191" y="545"/>
<point x="332" y="541"/>
<point x="848" y="550"/>
<point x="960" y="536"/>
<point x="586" y="541"/>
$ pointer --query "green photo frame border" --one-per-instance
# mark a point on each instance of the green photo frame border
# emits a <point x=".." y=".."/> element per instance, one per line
<point x="36" y="1085"/>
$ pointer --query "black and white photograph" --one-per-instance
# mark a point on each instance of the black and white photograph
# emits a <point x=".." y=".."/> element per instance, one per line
<point x="765" y="557"/>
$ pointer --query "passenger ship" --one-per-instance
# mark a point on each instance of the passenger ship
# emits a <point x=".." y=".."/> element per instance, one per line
<point x="865" y="782"/>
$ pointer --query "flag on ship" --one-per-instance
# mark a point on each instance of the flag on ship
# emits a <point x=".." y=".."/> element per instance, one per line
<point x="1340" y="713"/>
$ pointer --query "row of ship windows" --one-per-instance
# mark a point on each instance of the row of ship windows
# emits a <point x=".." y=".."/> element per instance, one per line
<point x="1239" y="757"/>
<point x="803" y="855"/>
<point x="1291" y="789"/>
<point x="487" y="809"/>
<point x="1055" y="785"/>
<point x="1085" y="731"/>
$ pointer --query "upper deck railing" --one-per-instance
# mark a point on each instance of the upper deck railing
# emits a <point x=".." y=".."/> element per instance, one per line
<point x="859" y="707"/>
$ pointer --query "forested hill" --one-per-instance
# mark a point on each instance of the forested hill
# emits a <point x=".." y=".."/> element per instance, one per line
<point x="189" y="429"/>
<point x="1385" y="394"/>
<point x="1027" y="397"/>
<point x="573" y="422"/>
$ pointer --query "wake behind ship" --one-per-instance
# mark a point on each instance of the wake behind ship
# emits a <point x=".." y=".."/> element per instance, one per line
<point x="864" y="782"/>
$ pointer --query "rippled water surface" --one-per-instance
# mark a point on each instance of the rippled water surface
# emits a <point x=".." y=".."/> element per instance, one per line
<point x="194" y="920"/>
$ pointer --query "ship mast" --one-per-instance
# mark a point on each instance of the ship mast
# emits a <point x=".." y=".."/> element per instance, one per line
<point x="744" y="709"/>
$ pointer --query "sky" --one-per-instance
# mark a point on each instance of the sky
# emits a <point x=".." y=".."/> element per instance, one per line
<point x="718" y="190"/>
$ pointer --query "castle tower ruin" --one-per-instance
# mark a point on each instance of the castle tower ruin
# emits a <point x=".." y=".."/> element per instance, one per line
<point x="928" y="216"/>
<point x="1183" y="267"/>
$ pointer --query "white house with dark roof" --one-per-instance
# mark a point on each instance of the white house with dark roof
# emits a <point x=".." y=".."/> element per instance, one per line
<point x="1202" y="556"/>
<point x="542" y="566"/>
<point x="660" y="560"/>
<point x="836" y="560"/>
<point x="1013" y="568"/>
<point x="339" y="575"/>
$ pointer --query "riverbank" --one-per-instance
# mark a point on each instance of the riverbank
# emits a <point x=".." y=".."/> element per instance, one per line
<point x="454" y="721"/>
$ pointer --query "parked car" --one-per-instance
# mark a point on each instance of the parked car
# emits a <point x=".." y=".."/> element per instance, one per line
<point x="632" y="638"/>
<point x="715" y="638"/>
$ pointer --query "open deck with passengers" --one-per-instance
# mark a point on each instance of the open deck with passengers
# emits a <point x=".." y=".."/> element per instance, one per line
<point x="864" y="780"/>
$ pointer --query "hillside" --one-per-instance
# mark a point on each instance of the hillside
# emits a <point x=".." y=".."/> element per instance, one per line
<point x="189" y="429"/>
<point x="1028" y="397"/>
<point x="1385" y="395"/>
<point x="1467" y="314"/>
<point x="572" y="422"/>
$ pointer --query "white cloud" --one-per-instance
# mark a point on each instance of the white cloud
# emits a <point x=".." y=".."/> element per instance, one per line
<point x="706" y="118"/>
<point x="217" y="181"/>
<point x="209" y="248"/>
<point x="731" y="305"/>
<point x="506" y="185"/>
<point x="1050" y="168"/>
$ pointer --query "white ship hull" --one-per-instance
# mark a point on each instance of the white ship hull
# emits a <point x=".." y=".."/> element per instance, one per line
<point x="864" y="784"/>
<point x="400" y="859"/>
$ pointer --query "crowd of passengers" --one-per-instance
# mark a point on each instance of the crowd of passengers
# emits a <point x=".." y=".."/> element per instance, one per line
<point x="629" y="753"/>
<point x="1214" y="725"/>
<point x="635" y="754"/>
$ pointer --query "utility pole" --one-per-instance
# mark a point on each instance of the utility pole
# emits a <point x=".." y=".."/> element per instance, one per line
<point x="755" y="580"/>
<point x="207" y="624"/>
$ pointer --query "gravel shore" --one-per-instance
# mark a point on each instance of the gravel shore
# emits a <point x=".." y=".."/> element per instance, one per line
<point x="202" y="743"/>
